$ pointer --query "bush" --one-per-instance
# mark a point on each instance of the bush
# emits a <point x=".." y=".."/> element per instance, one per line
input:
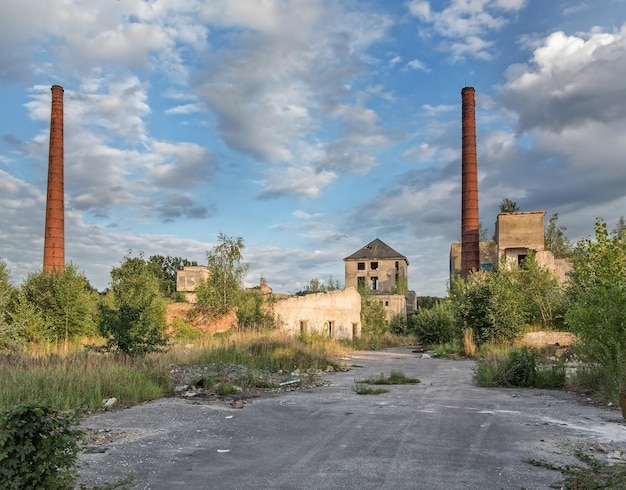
<point x="38" y="448"/>
<point x="523" y="368"/>
<point x="434" y="325"/>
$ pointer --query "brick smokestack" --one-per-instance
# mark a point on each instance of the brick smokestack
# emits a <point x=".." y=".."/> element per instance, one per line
<point x="470" y="248"/>
<point x="54" y="238"/>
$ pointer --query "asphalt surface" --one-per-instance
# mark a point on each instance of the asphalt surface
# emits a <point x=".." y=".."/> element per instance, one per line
<point x="444" y="433"/>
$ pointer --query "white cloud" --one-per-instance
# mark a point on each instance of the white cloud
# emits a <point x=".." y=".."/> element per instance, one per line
<point x="464" y="25"/>
<point x="417" y="65"/>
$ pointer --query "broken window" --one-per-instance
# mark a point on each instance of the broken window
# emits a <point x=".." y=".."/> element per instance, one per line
<point x="360" y="282"/>
<point x="397" y="265"/>
<point x="374" y="283"/>
<point x="386" y="303"/>
<point x="374" y="266"/>
<point x="303" y="326"/>
<point x="331" y="329"/>
<point x="360" y="266"/>
<point x="521" y="258"/>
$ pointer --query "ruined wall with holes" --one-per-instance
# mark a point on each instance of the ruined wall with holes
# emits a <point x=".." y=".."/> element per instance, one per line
<point x="336" y="314"/>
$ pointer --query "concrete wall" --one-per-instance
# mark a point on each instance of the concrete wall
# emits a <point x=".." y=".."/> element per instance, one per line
<point x="336" y="314"/>
<point x="518" y="231"/>
<point x="188" y="280"/>
<point x="488" y="256"/>
<point x="394" y="304"/>
<point x="387" y="271"/>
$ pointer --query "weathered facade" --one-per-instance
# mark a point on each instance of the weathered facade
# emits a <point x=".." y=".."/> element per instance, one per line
<point x="384" y="271"/>
<point x="517" y="235"/>
<point x="336" y="314"/>
<point x="188" y="279"/>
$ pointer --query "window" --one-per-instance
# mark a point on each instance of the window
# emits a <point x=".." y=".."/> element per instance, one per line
<point x="374" y="266"/>
<point x="387" y="303"/>
<point x="360" y="282"/>
<point x="397" y="265"/>
<point x="331" y="329"/>
<point x="521" y="258"/>
<point x="303" y="326"/>
<point x="360" y="266"/>
<point x="374" y="283"/>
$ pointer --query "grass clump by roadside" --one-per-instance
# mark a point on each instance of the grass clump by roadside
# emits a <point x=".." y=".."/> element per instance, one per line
<point x="394" y="378"/>
<point x="590" y="475"/>
<point x="80" y="380"/>
<point x="523" y="368"/>
<point x="366" y="389"/>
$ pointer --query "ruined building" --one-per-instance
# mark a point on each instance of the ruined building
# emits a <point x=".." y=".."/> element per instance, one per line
<point x="385" y="272"/>
<point x="54" y="235"/>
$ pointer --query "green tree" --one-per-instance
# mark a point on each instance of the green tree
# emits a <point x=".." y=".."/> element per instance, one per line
<point x="620" y="228"/>
<point x="9" y="334"/>
<point x="251" y="313"/>
<point x="373" y="316"/>
<point x="165" y="268"/>
<point x="64" y="300"/>
<point x="598" y="311"/>
<point x="508" y="206"/>
<point x="434" y="325"/>
<point x="401" y="286"/>
<point x="133" y="314"/>
<point x="555" y="239"/>
<point x="219" y="293"/>
<point x="317" y="286"/>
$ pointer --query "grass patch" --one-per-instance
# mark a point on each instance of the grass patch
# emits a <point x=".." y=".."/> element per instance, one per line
<point x="394" y="378"/>
<point x="366" y="389"/>
<point x="225" y="389"/>
<point x="590" y="475"/>
<point x="523" y="368"/>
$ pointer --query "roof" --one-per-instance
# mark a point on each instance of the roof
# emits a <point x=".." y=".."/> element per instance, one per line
<point x="376" y="249"/>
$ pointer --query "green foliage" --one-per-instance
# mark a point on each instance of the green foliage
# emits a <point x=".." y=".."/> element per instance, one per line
<point x="508" y="206"/>
<point x="165" y="268"/>
<point x="598" y="311"/>
<point x="219" y="293"/>
<point x="393" y="378"/>
<point x="56" y="306"/>
<point x="401" y="286"/>
<point x="435" y="325"/>
<point x="133" y="318"/>
<point x="373" y="317"/>
<point x="366" y="389"/>
<point x="523" y="368"/>
<point x="555" y="239"/>
<point x="317" y="286"/>
<point x="250" y="311"/>
<point x="491" y="304"/>
<point x="590" y="475"/>
<point x="398" y="325"/>
<point x="185" y="332"/>
<point x="38" y="448"/>
<point x="427" y="301"/>
<point x="225" y="389"/>
<point x="10" y="339"/>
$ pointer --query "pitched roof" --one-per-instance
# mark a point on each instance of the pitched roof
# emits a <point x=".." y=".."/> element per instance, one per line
<point x="376" y="249"/>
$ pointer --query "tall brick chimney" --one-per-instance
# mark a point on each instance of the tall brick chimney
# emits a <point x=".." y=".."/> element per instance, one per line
<point x="54" y="238"/>
<point x="470" y="247"/>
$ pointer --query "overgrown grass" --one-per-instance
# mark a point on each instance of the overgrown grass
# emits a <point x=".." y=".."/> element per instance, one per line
<point x="80" y="380"/>
<point x="525" y="368"/>
<point x="383" y="341"/>
<point x="366" y="389"/>
<point x="593" y="380"/>
<point x="591" y="475"/>
<point x="394" y="378"/>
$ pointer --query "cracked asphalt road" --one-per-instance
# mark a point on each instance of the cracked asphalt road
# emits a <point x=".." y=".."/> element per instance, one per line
<point x="444" y="433"/>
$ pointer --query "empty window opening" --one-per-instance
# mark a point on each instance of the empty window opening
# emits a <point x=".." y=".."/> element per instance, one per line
<point x="303" y="326"/>
<point x="521" y="259"/>
<point x="360" y="266"/>
<point x="386" y="303"/>
<point x="360" y="282"/>
<point x="374" y="266"/>
<point x="397" y="265"/>
<point x="355" y="330"/>
<point x="374" y="283"/>
<point x="331" y="329"/>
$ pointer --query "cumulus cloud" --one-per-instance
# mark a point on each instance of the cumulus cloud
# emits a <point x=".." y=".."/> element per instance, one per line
<point x="464" y="25"/>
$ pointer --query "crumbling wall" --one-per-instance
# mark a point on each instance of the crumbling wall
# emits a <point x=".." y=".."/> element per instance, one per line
<point x="335" y="314"/>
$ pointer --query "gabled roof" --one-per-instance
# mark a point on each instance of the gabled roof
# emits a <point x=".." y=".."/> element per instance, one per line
<point x="376" y="249"/>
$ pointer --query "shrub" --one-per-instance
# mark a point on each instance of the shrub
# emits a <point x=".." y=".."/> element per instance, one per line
<point x="38" y="448"/>
<point x="434" y="325"/>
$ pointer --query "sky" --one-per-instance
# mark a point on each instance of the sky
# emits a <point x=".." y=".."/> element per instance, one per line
<point x="307" y="127"/>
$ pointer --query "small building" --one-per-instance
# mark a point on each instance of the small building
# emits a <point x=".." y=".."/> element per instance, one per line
<point x="188" y="280"/>
<point x="517" y="235"/>
<point x="385" y="272"/>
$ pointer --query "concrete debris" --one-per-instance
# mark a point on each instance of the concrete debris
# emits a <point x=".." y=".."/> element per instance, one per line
<point x="109" y="402"/>
<point x="237" y="404"/>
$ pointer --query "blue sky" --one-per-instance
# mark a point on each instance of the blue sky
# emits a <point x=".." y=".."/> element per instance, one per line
<point x="307" y="127"/>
